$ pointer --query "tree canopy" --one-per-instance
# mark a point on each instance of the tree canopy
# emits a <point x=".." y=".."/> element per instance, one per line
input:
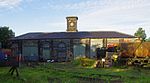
<point x="140" y="33"/>
<point x="5" y="35"/>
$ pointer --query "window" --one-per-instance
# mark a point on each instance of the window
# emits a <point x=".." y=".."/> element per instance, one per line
<point x="61" y="46"/>
<point x="30" y="48"/>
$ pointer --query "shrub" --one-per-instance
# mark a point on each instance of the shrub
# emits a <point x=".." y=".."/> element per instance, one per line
<point x="76" y="62"/>
<point x="86" y="62"/>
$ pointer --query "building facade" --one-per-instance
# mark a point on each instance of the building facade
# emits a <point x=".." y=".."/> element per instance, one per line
<point x="58" y="46"/>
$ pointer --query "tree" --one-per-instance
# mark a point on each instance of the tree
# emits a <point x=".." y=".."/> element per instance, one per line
<point x="140" y="33"/>
<point x="5" y="35"/>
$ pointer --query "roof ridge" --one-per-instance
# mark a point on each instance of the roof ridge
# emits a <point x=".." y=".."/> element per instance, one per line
<point x="124" y="33"/>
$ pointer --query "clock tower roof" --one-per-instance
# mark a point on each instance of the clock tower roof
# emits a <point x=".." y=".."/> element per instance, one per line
<point x="72" y="17"/>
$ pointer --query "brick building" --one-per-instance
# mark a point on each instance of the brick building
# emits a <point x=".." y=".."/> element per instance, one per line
<point x="56" y="45"/>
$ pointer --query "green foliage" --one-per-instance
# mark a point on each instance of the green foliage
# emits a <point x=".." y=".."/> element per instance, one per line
<point x="5" y="35"/>
<point x="86" y="62"/>
<point x="83" y="62"/>
<point x="140" y="33"/>
<point x="76" y="62"/>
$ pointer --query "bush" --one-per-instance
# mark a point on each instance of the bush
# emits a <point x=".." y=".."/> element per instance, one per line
<point x="84" y="62"/>
<point x="76" y="62"/>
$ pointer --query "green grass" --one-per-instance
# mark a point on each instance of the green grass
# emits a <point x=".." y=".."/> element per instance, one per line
<point x="73" y="72"/>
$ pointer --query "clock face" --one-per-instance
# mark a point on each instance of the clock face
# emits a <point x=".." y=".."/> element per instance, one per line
<point x="71" y="24"/>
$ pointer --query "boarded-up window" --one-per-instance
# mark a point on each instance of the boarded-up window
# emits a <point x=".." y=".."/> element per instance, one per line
<point x="46" y="50"/>
<point x="79" y="50"/>
<point x="30" y="48"/>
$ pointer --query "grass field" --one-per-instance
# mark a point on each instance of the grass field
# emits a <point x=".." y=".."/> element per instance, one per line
<point x="73" y="73"/>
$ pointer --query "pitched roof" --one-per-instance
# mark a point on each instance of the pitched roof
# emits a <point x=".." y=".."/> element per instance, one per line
<point x="73" y="35"/>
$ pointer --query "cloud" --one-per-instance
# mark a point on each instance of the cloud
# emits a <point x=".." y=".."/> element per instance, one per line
<point x="96" y="4"/>
<point x="9" y="3"/>
<point x="75" y="5"/>
<point x="124" y="16"/>
<point x="117" y="15"/>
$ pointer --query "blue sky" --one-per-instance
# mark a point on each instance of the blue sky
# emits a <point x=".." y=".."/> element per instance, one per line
<point x="125" y="16"/>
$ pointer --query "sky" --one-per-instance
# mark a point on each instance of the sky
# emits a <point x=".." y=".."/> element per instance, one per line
<point x="126" y="16"/>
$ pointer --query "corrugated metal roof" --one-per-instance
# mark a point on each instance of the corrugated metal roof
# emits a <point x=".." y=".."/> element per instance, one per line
<point x="74" y="35"/>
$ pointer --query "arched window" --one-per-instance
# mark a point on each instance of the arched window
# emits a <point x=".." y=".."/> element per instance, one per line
<point x="62" y="46"/>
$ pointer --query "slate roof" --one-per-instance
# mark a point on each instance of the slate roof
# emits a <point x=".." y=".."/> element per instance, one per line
<point x="73" y="35"/>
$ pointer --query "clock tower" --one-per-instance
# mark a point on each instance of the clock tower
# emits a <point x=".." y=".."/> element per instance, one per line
<point x="72" y="24"/>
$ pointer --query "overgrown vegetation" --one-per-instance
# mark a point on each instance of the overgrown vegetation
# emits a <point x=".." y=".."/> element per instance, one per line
<point x="84" y="62"/>
<point x="74" y="72"/>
